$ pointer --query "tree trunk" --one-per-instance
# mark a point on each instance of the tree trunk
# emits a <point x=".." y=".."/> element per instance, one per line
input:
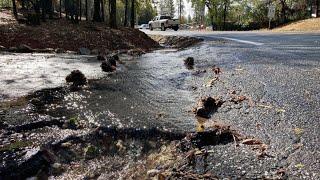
<point x="96" y="11"/>
<point x="43" y="10"/>
<point x="224" y="16"/>
<point x="113" y="13"/>
<point x="180" y="11"/>
<point x="66" y="8"/>
<point x="14" y="9"/>
<point x="132" y="13"/>
<point x="126" y="14"/>
<point x="212" y="22"/>
<point x="80" y="10"/>
<point x="75" y="12"/>
<point x="86" y="10"/>
<point x="283" y="11"/>
<point x="102" y="10"/>
<point x="60" y="14"/>
<point x="23" y="4"/>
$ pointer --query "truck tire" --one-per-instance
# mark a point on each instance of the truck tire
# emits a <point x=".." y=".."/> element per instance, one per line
<point x="176" y="28"/>
<point x="163" y="28"/>
<point x="150" y="27"/>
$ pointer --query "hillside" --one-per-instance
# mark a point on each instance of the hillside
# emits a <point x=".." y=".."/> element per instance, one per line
<point x="312" y="25"/>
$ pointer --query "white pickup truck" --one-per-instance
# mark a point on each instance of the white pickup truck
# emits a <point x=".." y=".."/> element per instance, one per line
<point x="164" y="22"/>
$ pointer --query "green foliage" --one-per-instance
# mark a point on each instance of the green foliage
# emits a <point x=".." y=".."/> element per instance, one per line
<point x="90" y="152"/>
<point x="167" y="7"/>
<point x="73" y="122"/>
<point x="146" y="12"/>
<point x="15" y="145"/>
<point x="247" y="14"/>
<point x="5" y="3"/>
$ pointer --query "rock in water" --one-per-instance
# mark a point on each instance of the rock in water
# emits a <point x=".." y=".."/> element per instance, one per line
<point x="106" y="66"/>
<point x="113" y="60"/>
<point x="206" y="106"/>
<point x="77" y="78"/>
<point x="189" y="61"/>
<point x="84" y="51"/>
<point x="115" y="57"/>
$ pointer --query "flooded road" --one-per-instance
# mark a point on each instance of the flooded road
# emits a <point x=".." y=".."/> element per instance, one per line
<point x="268" y="94"/>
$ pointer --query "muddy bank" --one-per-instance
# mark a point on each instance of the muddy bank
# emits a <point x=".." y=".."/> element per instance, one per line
<point x="179" y="42"/>
<point x="62" y="35"/>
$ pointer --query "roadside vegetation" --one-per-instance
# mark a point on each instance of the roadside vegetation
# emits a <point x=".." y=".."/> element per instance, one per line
<point x="209" y="14"/>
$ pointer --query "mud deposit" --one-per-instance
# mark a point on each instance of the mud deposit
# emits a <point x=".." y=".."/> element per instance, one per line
<point x="137" y="122"/>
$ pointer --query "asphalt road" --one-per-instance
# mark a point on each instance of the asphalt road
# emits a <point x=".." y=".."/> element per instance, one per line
<point x="280" y="73"/>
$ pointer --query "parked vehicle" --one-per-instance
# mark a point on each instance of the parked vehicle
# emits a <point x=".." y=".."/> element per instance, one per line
<point x="164" y="22"/>
<point x="144" y="26"/>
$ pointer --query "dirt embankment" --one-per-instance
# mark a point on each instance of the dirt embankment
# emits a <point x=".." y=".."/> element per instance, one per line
<point x="309" y="25"/>
<point x="62" y="34"/>
<point x="179" y="42"/>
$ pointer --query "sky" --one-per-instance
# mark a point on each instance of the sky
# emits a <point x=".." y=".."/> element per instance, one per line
<point x="188" y="8"/>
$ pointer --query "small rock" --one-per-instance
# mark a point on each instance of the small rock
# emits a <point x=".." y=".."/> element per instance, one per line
<point x="84" y="51"/>
<point x="113" y="60"/>
<point x="57" y="168"/>
<point x="202" y="112"/>
<point x="206" y="106"/>
<point x="77" y="78"/>
<point x="189" y="61"/>
<point x="106" y="66"/>
<point x="152" y="172"/>
<point x="56" y="165"/>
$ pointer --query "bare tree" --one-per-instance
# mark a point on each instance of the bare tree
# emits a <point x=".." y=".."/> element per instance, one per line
<point x="126" y="13"/>
<point x="97" y="11"/>
<point x="113" y="13"/>
<point x="132" y="13"/>
<point x="86" y="4"/>
<point x="14" y="8"/>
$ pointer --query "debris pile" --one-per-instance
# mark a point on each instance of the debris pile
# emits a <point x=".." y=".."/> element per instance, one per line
<point x="189" y="62"/>
<point x="206" y="106"/>
<point x="77" y="78"/>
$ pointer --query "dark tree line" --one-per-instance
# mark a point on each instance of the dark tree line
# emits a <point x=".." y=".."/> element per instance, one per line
<point x="74" y="10"/>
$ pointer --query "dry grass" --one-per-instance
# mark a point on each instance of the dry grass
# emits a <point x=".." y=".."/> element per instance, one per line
<point x="308" y="25"/>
